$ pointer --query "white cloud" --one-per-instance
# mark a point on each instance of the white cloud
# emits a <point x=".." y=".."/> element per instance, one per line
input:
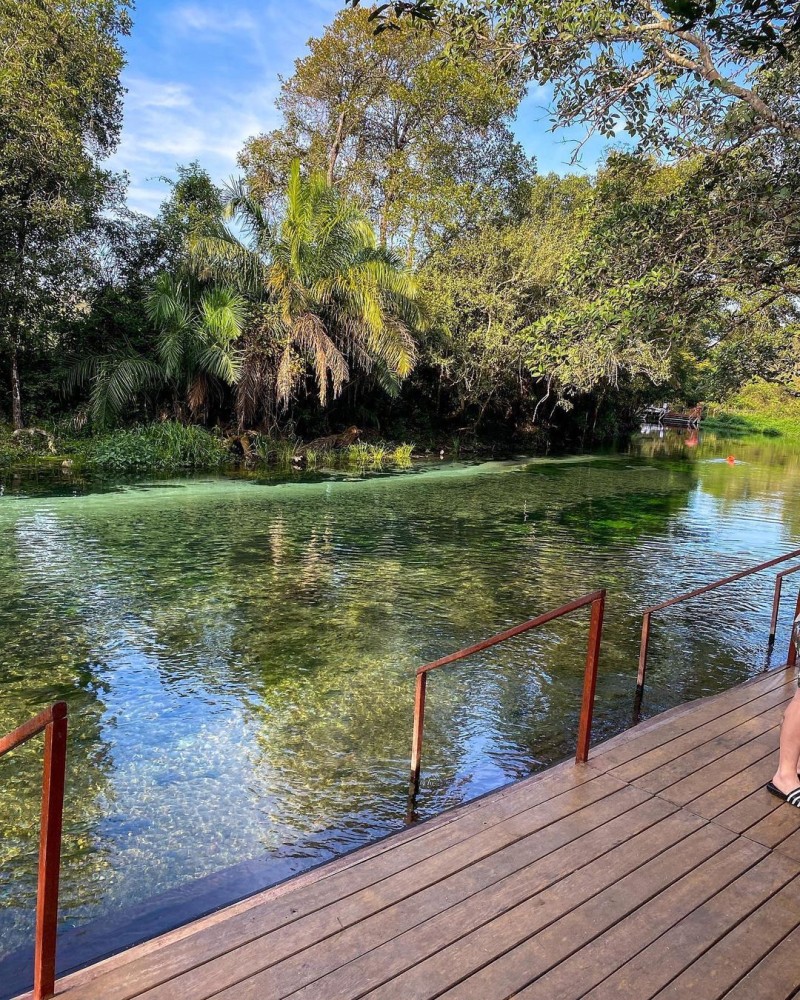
<point x="216" y="20"/>
<point x="168" y="123"/>
<point x="144" y="93"/>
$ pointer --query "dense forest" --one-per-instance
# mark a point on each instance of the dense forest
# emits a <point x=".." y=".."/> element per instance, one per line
<point x="389" y="257"/>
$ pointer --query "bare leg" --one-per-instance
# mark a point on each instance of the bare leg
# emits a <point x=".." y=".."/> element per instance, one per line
<point x="786" y="776"/>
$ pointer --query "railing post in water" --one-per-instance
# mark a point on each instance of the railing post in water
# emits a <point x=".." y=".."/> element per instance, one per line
<point x="590" y="678"/>
<point x="53" y="722"/>
<point x="642" y="672"/>
<point x="416" y="743"/>
<point x="597" y="601"/>
<point x="776" y="601"/>
<point x="55" y="765"/>
<point x="791" y="659"/>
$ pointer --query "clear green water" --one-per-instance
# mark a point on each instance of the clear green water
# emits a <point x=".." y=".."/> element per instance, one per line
<point x="238" y="655"/>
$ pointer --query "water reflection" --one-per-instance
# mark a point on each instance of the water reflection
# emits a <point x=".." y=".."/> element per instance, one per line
<point x="238" y="655"/>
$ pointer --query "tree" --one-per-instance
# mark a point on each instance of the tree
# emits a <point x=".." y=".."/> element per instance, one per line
<point x="328" y="298"/>
<point x="700" y="260"/>
<point x="60" y="112"/>
<point x="423" y="145"/>
<point x="196" y="353"/>
<point x="670" y="73"/>
<point x="516" y="341"/>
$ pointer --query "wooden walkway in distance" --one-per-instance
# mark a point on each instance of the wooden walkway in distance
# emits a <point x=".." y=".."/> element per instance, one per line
<point x="660" y="869"/>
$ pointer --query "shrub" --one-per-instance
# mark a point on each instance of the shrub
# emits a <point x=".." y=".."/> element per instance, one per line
<point x="767" y="399"/>
<point x="402" y="455"/>
<point x="165" y="446"/>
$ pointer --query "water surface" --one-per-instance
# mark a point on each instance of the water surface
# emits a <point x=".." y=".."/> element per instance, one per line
<point x="238" y="654"/>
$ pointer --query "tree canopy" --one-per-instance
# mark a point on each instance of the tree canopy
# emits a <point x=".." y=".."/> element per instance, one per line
<point x="60" y="113"/>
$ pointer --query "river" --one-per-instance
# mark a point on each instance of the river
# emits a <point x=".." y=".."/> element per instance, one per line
<point x="238" y="653"/>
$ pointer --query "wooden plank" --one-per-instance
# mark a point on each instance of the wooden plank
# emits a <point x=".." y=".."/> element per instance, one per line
<point x="723" y="798"/>
<point x="642" y="939"/>
<point x="538" y="934"/>
<point x="776" y="977"/>
<point x="416" y="864"/>
<point x="664" y="754"/>
<point x="790" y="847"/>
<point x="645" y="974"/>
<point x="707" y="753"/>
<point x="776" y="825"/>
<point x="720" y="968"/>
<point x="686" y="718"/>
<point x="385" y="944"/>
<point x="751" y="810"/>
<point x="699" y="782"/>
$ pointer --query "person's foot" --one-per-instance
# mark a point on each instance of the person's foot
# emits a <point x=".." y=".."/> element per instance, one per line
<point x="785" y="782"/>
<point x="785" y="789"/>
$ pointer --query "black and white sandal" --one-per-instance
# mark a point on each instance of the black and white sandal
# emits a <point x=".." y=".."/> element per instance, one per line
<point x="793" y="797"/>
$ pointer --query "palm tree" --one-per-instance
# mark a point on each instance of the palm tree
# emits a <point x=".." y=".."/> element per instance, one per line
<point x="196" y="352"/>
<point x="329" y="300"/>
<point x="198" y="330"/>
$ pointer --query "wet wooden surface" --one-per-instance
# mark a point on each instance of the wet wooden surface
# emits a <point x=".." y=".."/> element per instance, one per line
<point x="662" y="868"/>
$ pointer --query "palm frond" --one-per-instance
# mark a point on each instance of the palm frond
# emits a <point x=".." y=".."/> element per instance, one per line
<point x="222" y="314"/>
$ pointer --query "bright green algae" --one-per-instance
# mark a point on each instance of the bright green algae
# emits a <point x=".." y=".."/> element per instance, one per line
<point x="238" y="654"/>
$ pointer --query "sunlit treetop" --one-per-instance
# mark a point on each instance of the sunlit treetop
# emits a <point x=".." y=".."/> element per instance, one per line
<point x="677" y="75"/>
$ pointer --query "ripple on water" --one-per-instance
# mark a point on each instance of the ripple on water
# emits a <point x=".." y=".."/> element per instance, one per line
<point x="238" y="656"/>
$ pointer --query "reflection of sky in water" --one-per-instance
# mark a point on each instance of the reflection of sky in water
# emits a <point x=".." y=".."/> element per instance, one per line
<point x="238" y="656"/>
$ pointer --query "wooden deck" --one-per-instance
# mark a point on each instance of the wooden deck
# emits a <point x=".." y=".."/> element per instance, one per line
<point x="660" y="869"/>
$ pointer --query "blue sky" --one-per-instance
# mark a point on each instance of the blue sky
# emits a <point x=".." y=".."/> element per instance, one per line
<point x="202" y="76"/>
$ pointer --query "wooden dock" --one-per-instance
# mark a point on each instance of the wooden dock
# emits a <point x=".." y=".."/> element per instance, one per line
<point x="662" y="868"/>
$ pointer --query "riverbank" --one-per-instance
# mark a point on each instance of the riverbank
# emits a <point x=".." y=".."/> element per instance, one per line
<point x="170" y="446"/>
<point x="744" y="424"/>
<point x="760" y="408"/>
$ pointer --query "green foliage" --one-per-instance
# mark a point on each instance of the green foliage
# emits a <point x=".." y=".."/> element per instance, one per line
<point x="672" y="73"/>
<point x="423" y="145"/>
<point x="60" y="111"/>
<point x="329" y="298"/>
<point x="767" y="399"/>
<point x="167" y="446"/>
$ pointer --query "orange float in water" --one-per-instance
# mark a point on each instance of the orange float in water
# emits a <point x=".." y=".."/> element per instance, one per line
<point x="731" y="460"/>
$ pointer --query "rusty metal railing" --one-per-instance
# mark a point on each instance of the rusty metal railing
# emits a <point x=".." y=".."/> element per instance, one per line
<point x="649" y="612"/>
<point x="794" y="641"/>
<point x="597" y="602"/>
<point x="53" y="722"/>
<point x="776" y="600"/>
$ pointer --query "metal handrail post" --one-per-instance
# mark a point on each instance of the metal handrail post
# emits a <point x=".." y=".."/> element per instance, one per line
<point x="648" y="612"/>
<point x="597" y="602"/>
<point x="776" y="601"/>
<point x="53" y="722"/>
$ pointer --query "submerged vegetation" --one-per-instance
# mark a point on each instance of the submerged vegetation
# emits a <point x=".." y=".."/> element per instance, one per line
<point x="390" y="257"/>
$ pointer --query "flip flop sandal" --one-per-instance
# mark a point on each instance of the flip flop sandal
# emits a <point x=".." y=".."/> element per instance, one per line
<point x="793" y="797"/>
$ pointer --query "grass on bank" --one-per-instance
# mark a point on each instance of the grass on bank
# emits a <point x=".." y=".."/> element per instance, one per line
<point x="760" y="408"/>
<point x="171" y="446"/>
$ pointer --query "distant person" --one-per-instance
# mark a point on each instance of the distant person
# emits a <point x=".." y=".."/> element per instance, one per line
<point x="786" y="782"/>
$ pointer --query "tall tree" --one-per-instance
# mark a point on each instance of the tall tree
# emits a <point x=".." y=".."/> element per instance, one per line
<point x="667" y="71"/>
<point x="328" y="298"/>
<point x="60" y="113"/>
<point x="424" y="145"/>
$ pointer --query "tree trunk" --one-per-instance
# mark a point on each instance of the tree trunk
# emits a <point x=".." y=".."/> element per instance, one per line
<point x="16" y="388"/>
<point x="336" y="146"/>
